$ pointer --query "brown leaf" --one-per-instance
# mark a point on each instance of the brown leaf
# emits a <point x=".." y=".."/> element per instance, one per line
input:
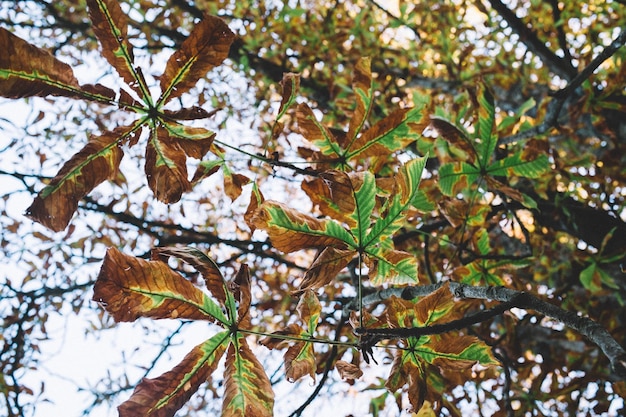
<point x="348" y="370"/>
<point x="206" y="47"/>
<point x="270" y="342"/>
<point x="110" y="25"/>
<point x="326" y="267"/>
<point x="166" y="394"/>
<point x="362" y="87"/>
<point x="299" y="361"/>
<point x="453" y="344"/>
<point x="309" y="310"/>
<point x="233" y="184"/>
<point x="308" y="125"/>
<point x="242" y="293"/>
<point x="333" y="192"/>
<point x="35" y="72"/>
<point x="130" y="288"/>
<point x="256" y="198"/>
<point x="98" y="161"/>
<point x="456" y="138"/>
<point x="290" y="85"/>
<point x="166" y="167"/>
<point x="209" y="270"/>
<point x="289" y="230"/>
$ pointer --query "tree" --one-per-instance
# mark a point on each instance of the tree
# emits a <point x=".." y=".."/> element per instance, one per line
<point x="428" y="204"/>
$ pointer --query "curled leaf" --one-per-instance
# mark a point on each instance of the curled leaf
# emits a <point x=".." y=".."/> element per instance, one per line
<point x="348" y="370"/>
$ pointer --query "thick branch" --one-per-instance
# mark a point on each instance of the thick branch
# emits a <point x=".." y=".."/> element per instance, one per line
<point x="510" y="298"/>
<point x="556" y="64"/>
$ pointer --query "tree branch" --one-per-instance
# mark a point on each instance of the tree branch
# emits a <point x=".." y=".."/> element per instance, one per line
<point x="556" y="64"/>
<point x="509" y="298"/>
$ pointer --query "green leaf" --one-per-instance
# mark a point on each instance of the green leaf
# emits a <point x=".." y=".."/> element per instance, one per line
<point x="486" y="122"/>
<point x="247" y="389"/>
<point x="456" y="176"/>
<point x="515" y="165"/>
<point x="166" y="394"/>
<point x="407" y="180"/>
<point x="393" y="133"/>
<point x="290" y="230"/>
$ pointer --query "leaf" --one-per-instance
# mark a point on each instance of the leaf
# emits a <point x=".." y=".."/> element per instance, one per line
<point x="290" y="230"/>
<point x="326" y="267"/>
<point x="435" y="306"/>
<point x="130" y="288"/>
<point x="362" y="88"/>
<point x="315" y="132"/>
<point x="241" y="290"/>
<point x="347" y="197"/>
<point x="299" y="361"/>
<point x="455" y="352"/>
<point x="348" y="370"/>
<point x="457" y="176"/>
<point x="233" y="182"/>
<point x="205" y="48"/>
<point x="393" y="133"/>
<point x="309" y="310"/>
<point x="166" y="394"/>
<point x="456" y="137"/>
<point x="27" y="71"/>
<point x="247" y="389"/>
<point x="407" y="182"/>
<point x="391" y="266"/>
<point x="290" y="85"/>
<point x="486" y="123"/>
<point x="166" y="167"/>
<point x="98" y="161"/>
<point x="111" y="28"/>
<point x="215" y="282"/>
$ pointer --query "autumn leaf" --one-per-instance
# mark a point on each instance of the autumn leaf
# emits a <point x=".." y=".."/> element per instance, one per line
<point x="247" y="389"/>
<point x="130" y="288"/>
<point x="98" y="161"/>
<point x="456" y="176"/>
<point x="394" y="132"/>
<point x="166" y="394"/>
<point x="348" y="370"/>
<point x="26" y="70"/>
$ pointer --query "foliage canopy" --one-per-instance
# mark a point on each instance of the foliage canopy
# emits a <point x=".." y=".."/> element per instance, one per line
<point x="423" y="199"/>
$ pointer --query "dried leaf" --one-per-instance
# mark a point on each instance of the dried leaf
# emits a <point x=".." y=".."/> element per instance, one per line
<point x="27" y="71"/>
<point x="290" y="230"/>
<point x="348" y="370"/>
<point x="299" y="361"/>
<point x="98" y="161"/>
<point x="206" y="47"/>
<point x="215" y="282"/>
<point x="166" y="167"/>
<point x="110" y="25"/>
<point x="326" y="267"/>
<point x="130" y="288"/>
<point x="166" y="394"/>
